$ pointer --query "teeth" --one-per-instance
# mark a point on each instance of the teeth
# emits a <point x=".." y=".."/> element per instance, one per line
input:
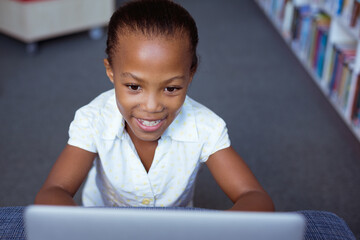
<point x="150" y="123"/>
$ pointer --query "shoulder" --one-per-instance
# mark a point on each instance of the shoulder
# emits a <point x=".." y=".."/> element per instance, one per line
<point x="205" y="118"/>
<point x="211" y="129"/>
<point x="83" y="130"/>
<point x="98" y="112"/>
<point x="96" y="106"/>
<point x="100" y="101"/>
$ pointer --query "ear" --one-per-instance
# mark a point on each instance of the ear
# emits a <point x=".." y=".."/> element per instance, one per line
<point x="109" y="71"/>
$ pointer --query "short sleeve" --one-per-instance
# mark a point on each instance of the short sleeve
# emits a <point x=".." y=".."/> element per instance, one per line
<point x="217" y="140"/>
<point x="81" y="132"/>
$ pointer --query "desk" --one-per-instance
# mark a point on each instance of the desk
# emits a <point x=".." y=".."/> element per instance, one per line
<point x="321" y="225"/>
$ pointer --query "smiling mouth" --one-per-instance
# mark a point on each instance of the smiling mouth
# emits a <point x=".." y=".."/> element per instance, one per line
<point x="149" y="123"/>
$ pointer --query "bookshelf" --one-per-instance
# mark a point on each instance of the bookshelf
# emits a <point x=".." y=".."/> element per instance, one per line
<point x="325" y="37"/>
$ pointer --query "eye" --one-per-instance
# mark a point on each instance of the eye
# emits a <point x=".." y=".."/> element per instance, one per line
<point x="133" y="87"/>
<point x="171" y="89"/>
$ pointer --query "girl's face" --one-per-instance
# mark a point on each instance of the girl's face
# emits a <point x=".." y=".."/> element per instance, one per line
<point x="151" y="77"/>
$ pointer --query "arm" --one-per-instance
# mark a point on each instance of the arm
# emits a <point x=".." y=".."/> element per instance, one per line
<point x="237" y="181"/>
<point x="66" y="176"/>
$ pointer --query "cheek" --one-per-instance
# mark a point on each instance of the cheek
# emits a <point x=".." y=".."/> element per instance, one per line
<point x="175" y="106"/>
<point x="124" y="104"/>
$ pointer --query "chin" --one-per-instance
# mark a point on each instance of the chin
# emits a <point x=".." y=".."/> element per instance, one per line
<point x="148" y="138"/>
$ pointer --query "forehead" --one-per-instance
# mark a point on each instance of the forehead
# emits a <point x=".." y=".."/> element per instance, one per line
<point x="128" y="38"/>
<point x="136" y="49"/>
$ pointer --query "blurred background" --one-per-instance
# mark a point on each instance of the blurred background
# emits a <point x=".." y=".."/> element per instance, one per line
<point x="279" y="121"/>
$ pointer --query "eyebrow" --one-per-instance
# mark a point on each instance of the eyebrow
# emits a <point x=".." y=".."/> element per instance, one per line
<point x="127" y="74"/>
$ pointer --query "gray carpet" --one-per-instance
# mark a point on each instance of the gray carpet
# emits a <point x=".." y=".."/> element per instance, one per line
<point x="278" y="120"/>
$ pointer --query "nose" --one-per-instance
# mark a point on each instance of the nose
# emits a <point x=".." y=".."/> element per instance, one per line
<point x="152" y="104"/>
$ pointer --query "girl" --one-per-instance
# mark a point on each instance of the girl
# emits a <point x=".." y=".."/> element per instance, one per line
<point x="142" y="143"/>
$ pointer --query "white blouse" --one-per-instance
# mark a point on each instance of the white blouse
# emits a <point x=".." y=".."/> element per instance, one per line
<point x="118" y="177"/>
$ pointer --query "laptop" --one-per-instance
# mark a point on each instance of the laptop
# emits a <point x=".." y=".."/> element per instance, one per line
<point x="70" y="223"/>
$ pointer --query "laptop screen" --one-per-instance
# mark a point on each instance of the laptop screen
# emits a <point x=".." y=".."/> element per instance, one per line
<point x="70" y="223"/>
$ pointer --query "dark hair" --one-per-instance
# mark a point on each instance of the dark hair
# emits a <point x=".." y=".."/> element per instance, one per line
<point x="152" y="18"/>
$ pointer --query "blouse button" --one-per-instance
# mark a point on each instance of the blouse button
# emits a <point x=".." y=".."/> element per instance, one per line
<point x="146" y="201"/>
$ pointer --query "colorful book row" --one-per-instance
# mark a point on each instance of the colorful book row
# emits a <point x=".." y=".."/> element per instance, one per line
<point x="340" y="72"/>
<point x="310" y="32"/>
<point x="317" y="35"/>
<point x="347" y="10"/>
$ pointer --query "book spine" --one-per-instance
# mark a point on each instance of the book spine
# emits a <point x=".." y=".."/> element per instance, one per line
<point x="316" y="48"/>
<point x="338" y="72"/>
<point x="295" y="23"/>
<point x="355" y="14"/>
<point x="347" y="89"/>
<point x="343" y="77"/>
<point x="340" y="4"/>
<point x="356" y="104"/>
<point x="322" y="48"/>
<point x="330" y="65"/>
<point x="334" y="72"/>
<point x="312" y="41"/>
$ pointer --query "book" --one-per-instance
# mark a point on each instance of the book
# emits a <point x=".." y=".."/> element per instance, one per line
<point x="318" y="41"/>
<point x="304" y="38"/>
<point x="334" y="68"/>
<point x="355" y="113"/>
<point x="313" y="37"/>
<point x="300" y="13"/>
<point x="344" y="56"/>
<point x="295" y="23"/>
<point x="288" y="19"/>
<point x="282" y="10"/>
<point x="342" y="99"/>
<point x="315" y="53"/>
<point x="355" y="13"/>
<point x="347" y="86"/>
<point x="340" y="5"/>
<point x="330" y="66"/>
<point x="321" y="52"/>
